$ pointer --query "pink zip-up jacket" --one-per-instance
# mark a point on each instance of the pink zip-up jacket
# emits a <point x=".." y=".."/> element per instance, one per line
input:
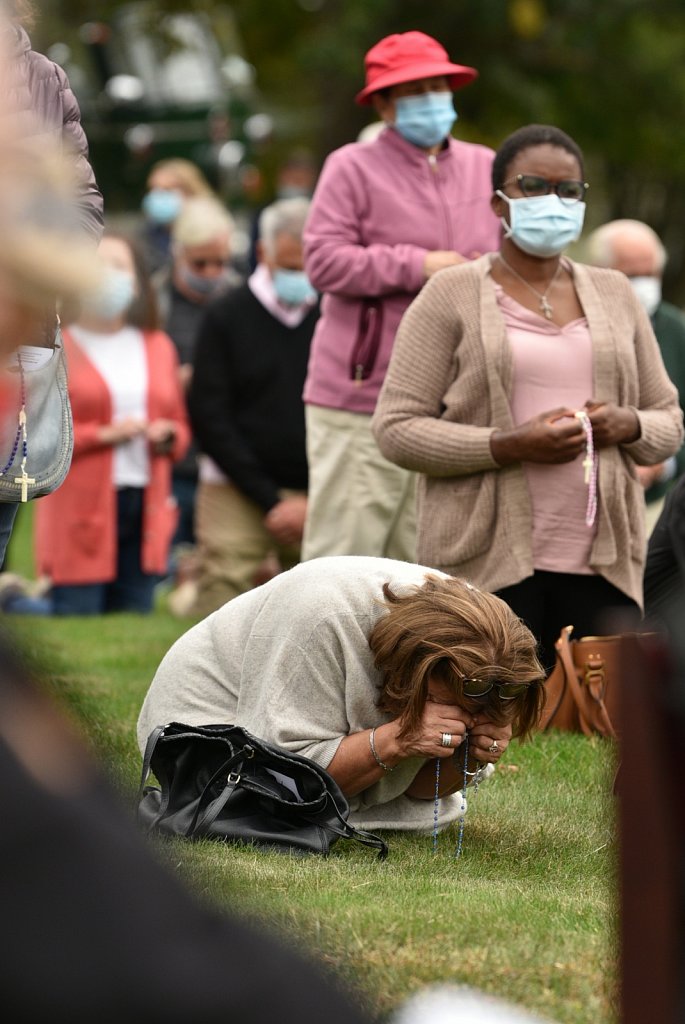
<point x="379" y="207"/>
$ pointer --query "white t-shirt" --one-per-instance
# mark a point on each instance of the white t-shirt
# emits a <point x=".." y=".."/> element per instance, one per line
<point x="120" y="360"/>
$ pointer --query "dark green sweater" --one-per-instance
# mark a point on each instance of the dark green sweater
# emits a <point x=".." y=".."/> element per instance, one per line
<point x="669" y="326"/>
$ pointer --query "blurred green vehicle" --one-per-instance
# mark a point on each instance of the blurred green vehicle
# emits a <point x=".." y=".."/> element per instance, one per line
<point x="154" y="85"/>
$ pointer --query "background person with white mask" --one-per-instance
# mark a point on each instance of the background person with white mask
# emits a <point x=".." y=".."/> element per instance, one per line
<point x="246" y="409"/>
<point x="200" y="271"/>
<point x="525" y="388"/>
<point x="634" y="248"/>
<point x="102" y="539"/>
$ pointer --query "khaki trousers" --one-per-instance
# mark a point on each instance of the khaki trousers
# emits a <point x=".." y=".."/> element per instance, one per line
<point x="359" y="503"/>
<point x="232" y="544"/>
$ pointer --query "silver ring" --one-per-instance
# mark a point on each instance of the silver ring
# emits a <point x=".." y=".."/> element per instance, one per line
<point x="494" y="747"/>
<point x="446" y="740"/>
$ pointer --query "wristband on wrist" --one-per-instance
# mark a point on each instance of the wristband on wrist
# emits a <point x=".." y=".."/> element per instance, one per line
<point x="385" y="767"/>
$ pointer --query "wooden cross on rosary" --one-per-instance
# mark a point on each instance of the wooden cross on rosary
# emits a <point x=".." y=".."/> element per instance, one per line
<point x="24" y="480"/>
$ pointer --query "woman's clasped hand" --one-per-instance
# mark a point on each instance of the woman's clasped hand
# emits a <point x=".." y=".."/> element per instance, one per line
<point x="443" y="727"/>
<point x="557" y="435"/>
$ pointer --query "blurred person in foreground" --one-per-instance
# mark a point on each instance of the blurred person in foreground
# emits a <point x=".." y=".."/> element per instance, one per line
<point x="635" y="249"/>
<point x="453" y="1004"/>
<point x="102" y="539"/>
<point x="526" y="388"/>
<point x="169" y="184"/>
<point x="42" y="116"/>
<point x="386" y="216"/>
<point x="93" y="927"/>
<point x="247" y="413"/>
<point x="199" y="271"/>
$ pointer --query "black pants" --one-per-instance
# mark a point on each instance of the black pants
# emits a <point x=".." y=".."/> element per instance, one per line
<point x="548" y="601"/>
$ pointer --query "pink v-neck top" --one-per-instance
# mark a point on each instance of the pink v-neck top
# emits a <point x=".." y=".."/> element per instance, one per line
<point x="552" y="366"/>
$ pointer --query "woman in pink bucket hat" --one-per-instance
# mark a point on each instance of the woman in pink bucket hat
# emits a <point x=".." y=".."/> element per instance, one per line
<point x="386" y="215"/>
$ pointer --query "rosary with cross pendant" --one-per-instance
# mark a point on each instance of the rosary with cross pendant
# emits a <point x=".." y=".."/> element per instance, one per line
<point x="24" y="480"/>
<point x="21" y="436"/>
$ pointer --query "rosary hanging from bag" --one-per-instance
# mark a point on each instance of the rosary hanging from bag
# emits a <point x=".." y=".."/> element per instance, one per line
<point x="36" y="435"/>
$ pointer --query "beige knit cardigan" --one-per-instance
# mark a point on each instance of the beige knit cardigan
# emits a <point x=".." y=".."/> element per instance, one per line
<point x="447" y="390"/>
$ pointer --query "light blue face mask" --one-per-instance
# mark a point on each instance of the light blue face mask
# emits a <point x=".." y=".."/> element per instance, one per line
<point x="293" y="287"/>
<point x="161" y="205"/>
<point x="113" y="296"/>
<point x="201" y="284"/>
<point x="543" y="225"/>
<point x="426" y="119"/>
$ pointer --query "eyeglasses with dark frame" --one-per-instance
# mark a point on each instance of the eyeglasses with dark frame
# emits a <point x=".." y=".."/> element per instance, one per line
<point x="532" y="185"/>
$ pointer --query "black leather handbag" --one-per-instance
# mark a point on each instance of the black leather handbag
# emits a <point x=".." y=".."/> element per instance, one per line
<point x="220" y="782"/>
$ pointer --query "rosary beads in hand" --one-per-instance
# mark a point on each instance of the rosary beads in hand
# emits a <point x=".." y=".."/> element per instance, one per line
<point x="436" y="801"/>
<point x="590" y="467"/>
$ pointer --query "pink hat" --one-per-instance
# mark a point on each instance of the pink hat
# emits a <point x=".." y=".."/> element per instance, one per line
<point x="406" y="57"/>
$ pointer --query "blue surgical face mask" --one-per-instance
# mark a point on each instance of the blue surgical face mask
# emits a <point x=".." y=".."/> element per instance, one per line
<point x="203" y="285"/>
<point x="426" y="119"/>
<point x="543" y="225"/>
<point x="113" y="296"/>
<point x="293" y="287"/>
<point x="162" y="206"/>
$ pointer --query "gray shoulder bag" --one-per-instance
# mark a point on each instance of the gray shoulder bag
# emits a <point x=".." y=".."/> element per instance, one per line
<point x="37" y="438"/>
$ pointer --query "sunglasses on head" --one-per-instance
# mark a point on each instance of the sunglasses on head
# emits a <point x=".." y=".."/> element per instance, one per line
<point x="533" y="185"/>
<point x="481" y="687"/>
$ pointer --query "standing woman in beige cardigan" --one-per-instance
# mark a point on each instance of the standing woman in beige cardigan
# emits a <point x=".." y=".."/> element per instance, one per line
<point x="525" y="388"/>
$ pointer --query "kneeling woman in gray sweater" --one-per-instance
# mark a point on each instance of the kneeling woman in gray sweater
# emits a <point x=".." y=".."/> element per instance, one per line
<point x="374" y="669"/>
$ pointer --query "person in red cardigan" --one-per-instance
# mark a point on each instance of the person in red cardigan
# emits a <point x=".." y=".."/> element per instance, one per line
<point x="103" y="537"/>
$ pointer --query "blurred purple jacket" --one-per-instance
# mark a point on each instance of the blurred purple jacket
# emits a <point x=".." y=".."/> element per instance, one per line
<point x="379" y="207"/>
<point x="48" y="115"/>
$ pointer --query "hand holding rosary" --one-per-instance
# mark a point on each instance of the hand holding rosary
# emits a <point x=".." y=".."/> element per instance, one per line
<point x="590" y="465"/>
<point x="481" y="772"/>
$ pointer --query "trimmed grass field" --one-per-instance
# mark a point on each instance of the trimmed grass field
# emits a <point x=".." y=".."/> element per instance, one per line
<point x="527" y="912"/>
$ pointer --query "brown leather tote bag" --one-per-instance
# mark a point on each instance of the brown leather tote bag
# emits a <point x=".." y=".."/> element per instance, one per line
<point x="582" y="691"/>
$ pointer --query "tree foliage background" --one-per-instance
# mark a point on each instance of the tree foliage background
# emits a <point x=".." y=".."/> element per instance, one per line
<point x="610" y="73"/>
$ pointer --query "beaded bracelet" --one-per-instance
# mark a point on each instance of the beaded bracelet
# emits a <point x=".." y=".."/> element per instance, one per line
<point x="385" y="767"/>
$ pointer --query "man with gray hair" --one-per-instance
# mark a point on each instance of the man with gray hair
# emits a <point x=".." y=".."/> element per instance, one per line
<point x="635" y="249"/>
<point x="199" y="271"/>
<point x="246" y="409"/>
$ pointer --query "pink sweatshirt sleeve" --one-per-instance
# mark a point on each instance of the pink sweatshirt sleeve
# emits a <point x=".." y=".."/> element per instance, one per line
<point x="336" y="259"/>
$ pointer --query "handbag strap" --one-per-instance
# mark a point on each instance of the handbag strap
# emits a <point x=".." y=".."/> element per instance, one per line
<point x="593" y="687"/>
<point x="352" y="832"/>
<point x="572" y="678"/>
<point x="147" y="757"/>
<point x="233" y="766"/>
<point x="580" y="694"/>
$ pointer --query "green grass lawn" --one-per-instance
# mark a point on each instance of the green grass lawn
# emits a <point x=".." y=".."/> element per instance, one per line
<point x="528" y="912"/>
